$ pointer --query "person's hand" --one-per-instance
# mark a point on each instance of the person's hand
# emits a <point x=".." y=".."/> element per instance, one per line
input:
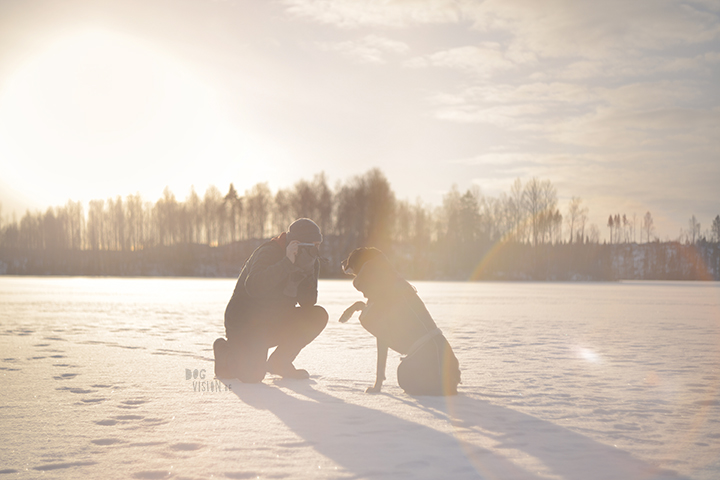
<point x="291" y="250"/>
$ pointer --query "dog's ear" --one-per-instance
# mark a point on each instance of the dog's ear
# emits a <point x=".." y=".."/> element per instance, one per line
<point x="360" y="256"/>
<point x="350" y="264"/>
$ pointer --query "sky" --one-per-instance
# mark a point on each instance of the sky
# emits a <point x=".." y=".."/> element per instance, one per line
<point x="615" y="102"/>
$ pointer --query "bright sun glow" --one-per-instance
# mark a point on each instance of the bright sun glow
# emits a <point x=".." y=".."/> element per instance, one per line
<point x="98" y="114"/>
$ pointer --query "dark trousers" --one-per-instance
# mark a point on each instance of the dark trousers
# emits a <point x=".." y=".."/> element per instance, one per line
<point x="250" y="338"/>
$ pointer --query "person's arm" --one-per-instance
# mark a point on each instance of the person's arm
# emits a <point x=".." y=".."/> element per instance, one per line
<point x="308" y="289"/>
<point x="267" y="274"/>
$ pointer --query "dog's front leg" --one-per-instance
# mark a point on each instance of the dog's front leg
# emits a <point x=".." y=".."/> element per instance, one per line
<point x="382" y="351"/>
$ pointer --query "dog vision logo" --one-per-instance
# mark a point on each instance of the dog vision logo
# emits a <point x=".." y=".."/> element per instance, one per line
<point x="202" y="384"/>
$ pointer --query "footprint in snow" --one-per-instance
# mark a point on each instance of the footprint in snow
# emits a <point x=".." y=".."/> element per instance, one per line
<point x="241" y="475"/>
<point x="187" y="446"/>
<point x="106" y="441"/>
<point x="129" y="417"/>
<point x="58" y="466"/>
<point x="152" y="474"/>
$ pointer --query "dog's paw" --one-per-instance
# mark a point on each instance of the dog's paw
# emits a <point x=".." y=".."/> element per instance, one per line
<point x="350" y="310"/>
<point x="346" y="315"/>
<point x="359" y="305"/>
<point x="373" y="389"/>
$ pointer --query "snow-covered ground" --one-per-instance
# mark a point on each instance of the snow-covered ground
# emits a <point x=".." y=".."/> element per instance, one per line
<point x="112" y="378"/>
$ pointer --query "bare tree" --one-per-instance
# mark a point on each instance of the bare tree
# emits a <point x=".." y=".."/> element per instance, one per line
<point x="118" y="223"/>
<point x="351" y="205"/>
<point x="365" y="210"/>
<point x="258" y="209"/>
<point x="95" y="226"/>
<point x="593" y="235"/>
<point x="715" y="229"/>
<point x="648" y="226"/>
<point x="233" y="208"/>
<point x="497" y="212"/>
<point x="283" y="212"/>
<point x="29" y="235"/>
<point x="582" y="221"/>
<point x="166" y="212"/>
<point x="556" y="226"/>
<point x="402" y="228"/>
<point x="460" y="215"/>
<point x="324" y="214"/>
<point x="422" y="226"/>
<point x="194" y="209"/>
<point x="75" y="224"/>
<point x="49" y="231"/>
<point x="575" y="211"/>
<point x="135" y="221"/>
<point x="314" y="200"/>
<point x="380" y="209"/>
<point x="516" y="211"/>
<point x="693" y="230"/>
<point x="212" y="205"/>
<point x="533" y="204"/>
<point x="469" y="217"/>
<point x="305" y="202"/>
<point x="626" y="228"/>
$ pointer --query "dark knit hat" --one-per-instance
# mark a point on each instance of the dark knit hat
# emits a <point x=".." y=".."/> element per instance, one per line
<point x="304" y="230"/>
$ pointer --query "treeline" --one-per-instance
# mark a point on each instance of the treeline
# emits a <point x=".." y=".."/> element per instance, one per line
<point x="518" y="235"/>
<point x="362" y="211"/>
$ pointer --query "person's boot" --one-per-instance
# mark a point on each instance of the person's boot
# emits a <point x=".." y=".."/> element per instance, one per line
<point x="285" y="369"/>
<point x="222" y="360"/>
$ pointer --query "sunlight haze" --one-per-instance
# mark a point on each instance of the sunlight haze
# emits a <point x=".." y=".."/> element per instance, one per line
<point x="614" y="102"/>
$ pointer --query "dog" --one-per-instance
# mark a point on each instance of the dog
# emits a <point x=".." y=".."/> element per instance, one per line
<point x="397" y="317"/>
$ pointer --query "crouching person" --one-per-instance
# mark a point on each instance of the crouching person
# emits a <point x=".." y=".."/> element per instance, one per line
<point x="273" y="304"/>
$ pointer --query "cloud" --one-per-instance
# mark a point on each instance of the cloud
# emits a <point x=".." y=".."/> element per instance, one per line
<point x="615" y="38"/>
<point x="532" y="106"/>
<point x="594" y="39"/>
<point x="369" y="49"/>
<point x="483" y="59"/>
<point x="377" y="13"/>
<point x="642" y="115"/>
<point x="551" y="28"/>
<point x="565" y="28"/>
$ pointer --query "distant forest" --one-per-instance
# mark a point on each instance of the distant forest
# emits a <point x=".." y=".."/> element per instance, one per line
<point x="520" y="235"/>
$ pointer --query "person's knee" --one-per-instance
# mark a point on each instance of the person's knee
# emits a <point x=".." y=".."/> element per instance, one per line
<point x="251" y="373"/>
<point x="320" y="319"/>
<point x="321" y="314"/>
<point x="246" y="359"/>
<point x="316" y="317"/>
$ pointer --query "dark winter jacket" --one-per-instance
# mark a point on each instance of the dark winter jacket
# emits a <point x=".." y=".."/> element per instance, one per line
<point x="269" y="281"/>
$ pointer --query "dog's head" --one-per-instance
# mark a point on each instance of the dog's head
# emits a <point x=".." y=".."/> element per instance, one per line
<point x="359" y="257"/>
